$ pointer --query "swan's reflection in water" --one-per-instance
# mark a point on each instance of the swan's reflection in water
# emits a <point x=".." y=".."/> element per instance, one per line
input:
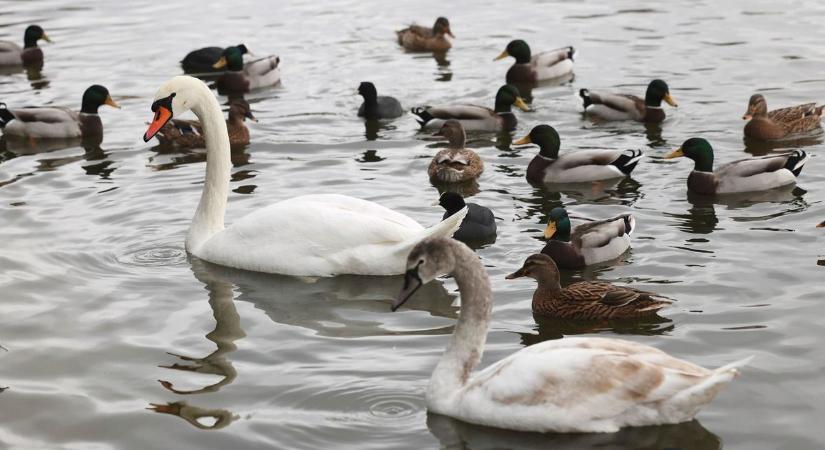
<point x="457" y="435"/>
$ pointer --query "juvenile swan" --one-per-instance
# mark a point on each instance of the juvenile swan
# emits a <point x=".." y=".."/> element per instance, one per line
<point x="310" y="235"/>
<point x="567" y="385"/>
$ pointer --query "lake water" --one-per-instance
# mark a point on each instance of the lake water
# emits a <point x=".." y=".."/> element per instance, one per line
<point x="103" y="315"/>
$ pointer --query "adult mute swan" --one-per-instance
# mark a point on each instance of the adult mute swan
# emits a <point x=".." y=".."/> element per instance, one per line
<point x="578" y="384"/>
<point x="310" y="235"/>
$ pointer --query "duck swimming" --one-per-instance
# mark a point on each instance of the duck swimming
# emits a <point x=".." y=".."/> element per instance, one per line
<point x="203" y="60"/>
<point x="588" y="243"/>
<point x="240" y="78"/>
<point x="189" y="133"/>
<point x="30" y="55"/>
<point x="780" y="123"/>
<point x="422" y="39"/>
<point x="455" y="164"/>
<point x="530" y="68"/>
<point x="609" y="107"/>
<point x="476" y="118"/>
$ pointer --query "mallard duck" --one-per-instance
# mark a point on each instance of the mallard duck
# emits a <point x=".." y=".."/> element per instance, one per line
<point x="203" y="60"/>
<point x="12" y="55"/>
<point x="575" y="384"/>
<point x="542" y="66"/>
<point x="189" y="133"/>
<point x="455" y="164"/>
<point x="58" y="122"/>
<point x="377" y="106"/>
<point x="744" y="175"/>
<point x="422" y="39"/>
<point x="478" y="225"/>
<point x="574" y="167"/>
<point x="779" y="123"/>
<point x="588" y="243"/>
<point x="585" y="299"/>
<point x="629" y="107"/>
<point x="241" y="78"/>
<point x="476" y="118"/>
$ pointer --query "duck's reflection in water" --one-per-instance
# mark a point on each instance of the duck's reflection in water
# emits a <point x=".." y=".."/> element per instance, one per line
<point x="12" y="147"/>
<point x="457" y="435"/>
<point x="549" y="328"/>
<point x="196" y="416"/>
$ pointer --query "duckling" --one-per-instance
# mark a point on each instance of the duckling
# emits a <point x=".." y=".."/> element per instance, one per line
<point x="779" y="123"/>
<point x="455" y="164"/>
<point x="586" y="299"/>
<point x="744" y="175"/>
<point x="542" y="66"/>
<point x="189" y="133"/>
<point x="30" y="55"/>
<point x="478" y="225"/>
<point x="203" y="60"/>
<point x="376" y="106"/>
<point x="58" y="122"/>
<point x="629" y="107"/>
<point x="589" y="243"/>
<point x="422" y="39"/>
<point x="575" y="167"/>
<point x="241" y="78"/>
<point x="476" y="118"/>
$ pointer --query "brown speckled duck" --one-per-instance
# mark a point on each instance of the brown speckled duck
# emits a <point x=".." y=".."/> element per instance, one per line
<point x="530" y="68"/>
<point x="189" y="133"/>
<point x="455" y="164"/>
<point x="422" y="39"/>
<point x="30" y="55"/>
<point x="629" y="107"/>
<point x="585" y="299"/>
<point x="780" y="123"/>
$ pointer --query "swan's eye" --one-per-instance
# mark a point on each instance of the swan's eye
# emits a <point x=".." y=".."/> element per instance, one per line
<point x="420" y="261"/>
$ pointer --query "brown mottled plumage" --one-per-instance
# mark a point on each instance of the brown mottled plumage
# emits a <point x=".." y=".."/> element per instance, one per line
<point x="423" y="39"/>
<point x="189" y="133"/>
<point x="585" y="299"/>
<point x="779" y="123"/>
<point x="455" y="164"/>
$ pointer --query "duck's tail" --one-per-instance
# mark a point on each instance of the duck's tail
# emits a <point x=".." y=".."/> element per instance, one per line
<point x="5" y="115"/>
<point x="628" y="161"/>
<point x="629" y="223"/>
<point x="796" y="161"/>
<point x="424" y="116"/>
<point x="571" y="52"/>
<point x="585" y="95"/>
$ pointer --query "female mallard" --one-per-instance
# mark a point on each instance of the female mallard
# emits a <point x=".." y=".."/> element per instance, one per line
<point x="533" y="68"/>
<point x="58" y="122"/>
<point x="376" y="107"/>
<point x="586" y="299"/>
<point x="479" y="225"/>
<point x="203" y="60"/>
<point x="779" y="123"/>
<point x="455" y="164"/>
<point x="629" y="107"/>
<point x="575" y="384"/>
<point x="574" y="167"/>
<point x="588" y="243"/>
<point x="744" y="175"/>
<point x="189" y="133"/>
<point x="12" y="55"/>
<point x="241" y="78"/>
<point x="476" y="118"/>
<point x="422" y="39"/>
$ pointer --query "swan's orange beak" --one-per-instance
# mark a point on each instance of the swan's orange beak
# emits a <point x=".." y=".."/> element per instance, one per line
<point x="162" y="115"/>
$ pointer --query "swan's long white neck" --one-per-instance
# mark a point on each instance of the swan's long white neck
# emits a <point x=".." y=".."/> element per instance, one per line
<point x="466" y="346"/>
<point x="208" y="219"/>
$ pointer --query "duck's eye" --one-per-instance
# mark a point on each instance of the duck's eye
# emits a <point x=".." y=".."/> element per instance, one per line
<point x="420" y="261"/>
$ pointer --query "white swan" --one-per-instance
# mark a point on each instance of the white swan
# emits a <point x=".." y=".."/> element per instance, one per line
<point x="311" y="235"/>
<point x="567" y="385"/>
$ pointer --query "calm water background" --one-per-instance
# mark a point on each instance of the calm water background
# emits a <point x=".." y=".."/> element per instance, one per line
<point x="98" y="300"/>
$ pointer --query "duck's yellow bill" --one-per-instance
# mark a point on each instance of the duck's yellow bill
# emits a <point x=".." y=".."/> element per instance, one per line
<point x="503" y="55"/>
<point x="45" y="37"/>
<point x="521" y="104"/>
<point x="220" y="64"/>
<point x="670" y="100"/>
<point x="550" y="231"/>
<point x="678" y="153"/>
<point x="523" y="141"/>
<point x="109" y="101"/>
<point x="162" y="115"/>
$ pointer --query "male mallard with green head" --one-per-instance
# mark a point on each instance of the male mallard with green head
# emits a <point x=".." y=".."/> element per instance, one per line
<point x="476" y="118"/>
<point x="530" y="68"/>
<point x="30" y="55"/>
<point x="585" y="300"/>
<point x="629" y="107"/>
<point x="780" y="123"/>
<point x="574" y="167"/>
<point x="422" y="39"/>
<point x="203" y="60"/>
<point x="56" y="122"/>
<point x="588" y="243"/>
<point x="240" y="78"/>
<point x="744" y="175"/>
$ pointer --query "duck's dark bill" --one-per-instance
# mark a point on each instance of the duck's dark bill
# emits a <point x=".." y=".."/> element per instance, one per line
<point x="162" y="115"/>
<point x="411" y="284"/>
<point x="517" y="274"/>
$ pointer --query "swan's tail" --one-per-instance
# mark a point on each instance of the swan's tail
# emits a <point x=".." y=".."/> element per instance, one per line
<point x="446" y="228"/>
<point x="687" y="403"/>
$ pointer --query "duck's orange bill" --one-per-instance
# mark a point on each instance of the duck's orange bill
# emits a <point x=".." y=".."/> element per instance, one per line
<point x="162" y="115"/>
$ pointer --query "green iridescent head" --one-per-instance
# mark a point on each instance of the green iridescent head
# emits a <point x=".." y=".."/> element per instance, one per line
<point x="697" y="149"/>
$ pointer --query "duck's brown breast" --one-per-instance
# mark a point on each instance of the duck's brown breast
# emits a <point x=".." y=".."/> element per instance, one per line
<point x="653" y="115"/>
<point x="32" y="56"/>
<point x="564" y="254"/>
<point x="702" y="182"/>
<point x="764" y="129"/>
<point x="521" y="73"/>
